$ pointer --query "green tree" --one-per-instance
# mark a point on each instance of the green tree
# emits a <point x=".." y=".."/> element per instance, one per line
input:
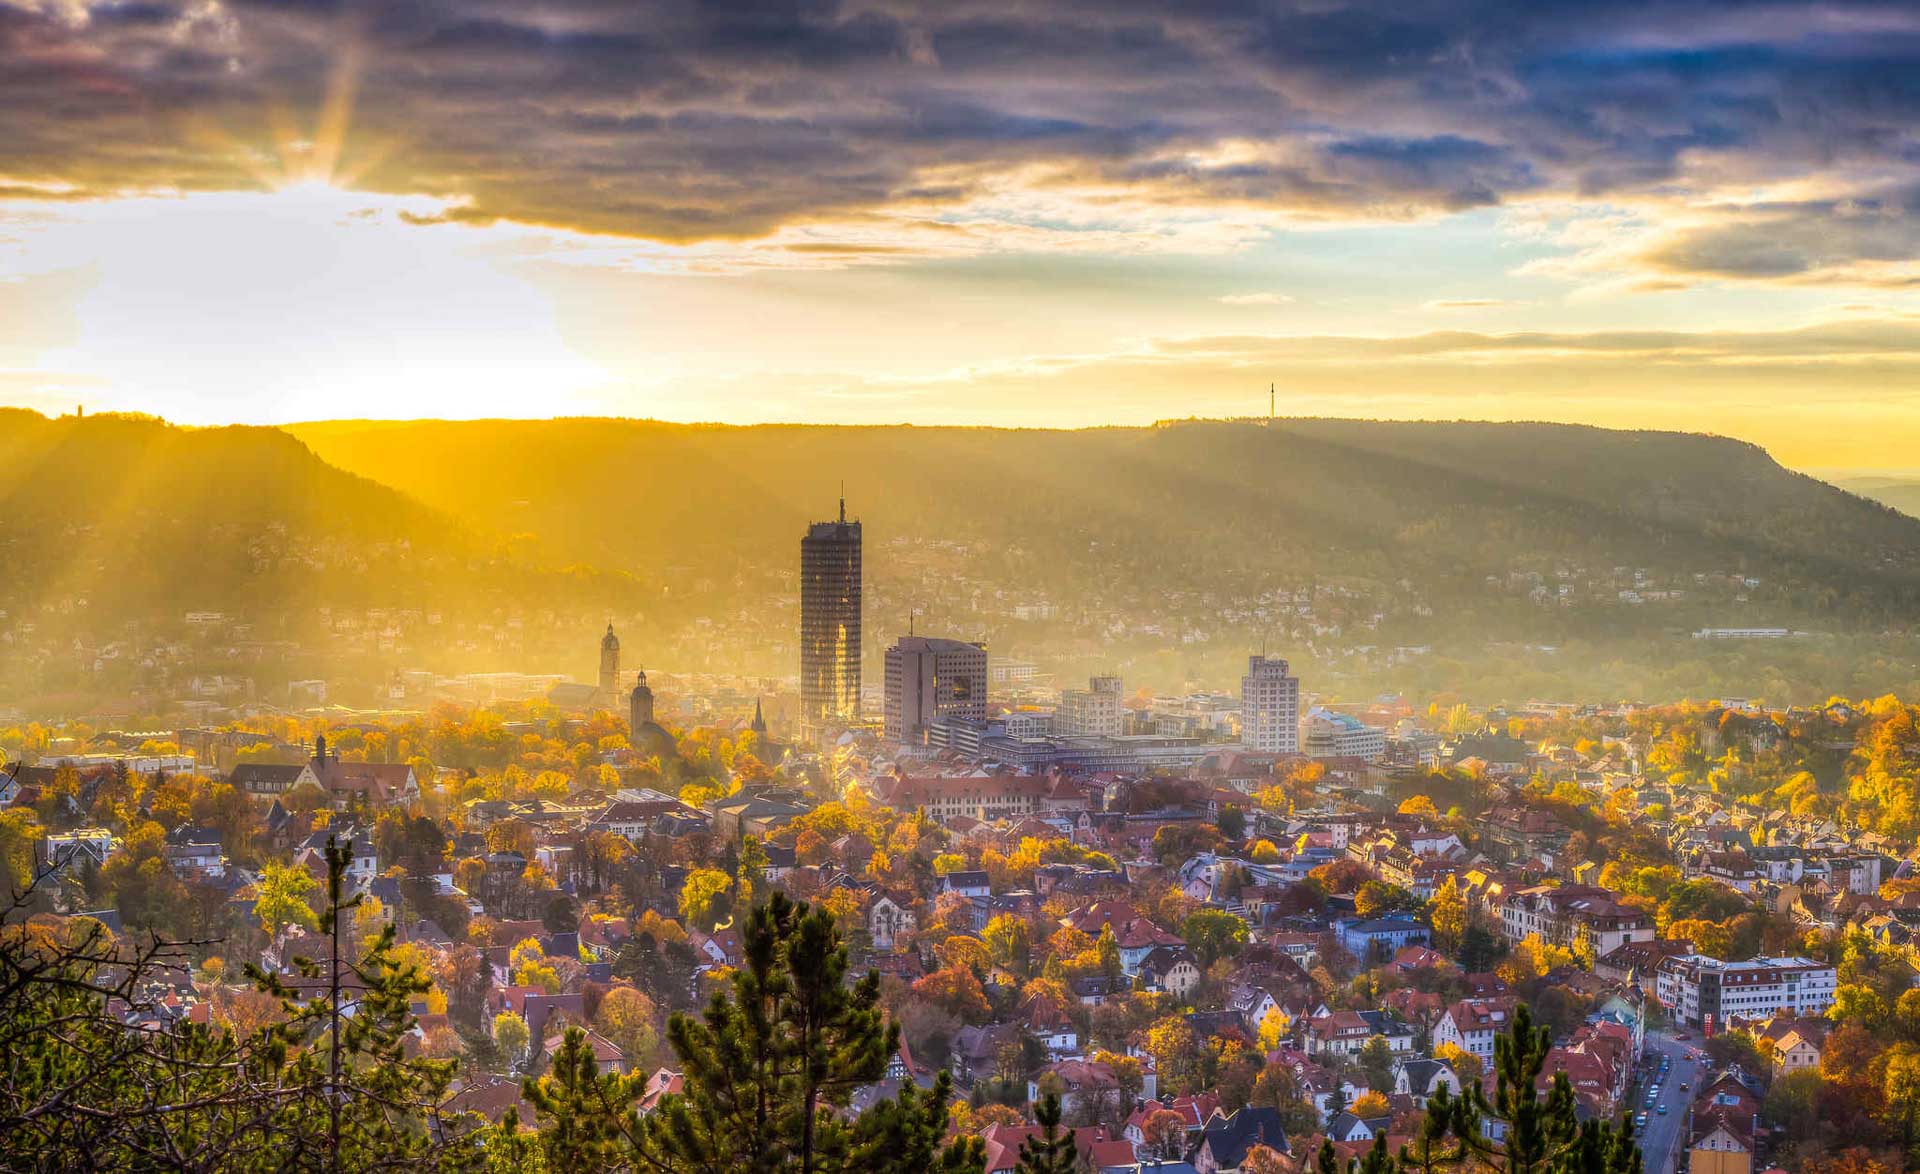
<point x="749" y="874"/>
<point x="771" y="1064"/>
<point x="284" y="900"/>
<point x="586" y="1118"/>
<point x="1052" y="1151"/>
<point x="1376" y="1060"/>
<point x="1213" y="934"/>
<point x="1107" y="948"/>
<point x="1232" y="822"/>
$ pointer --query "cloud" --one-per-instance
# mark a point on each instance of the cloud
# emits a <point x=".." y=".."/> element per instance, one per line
<point x="1464" y="303"/>
<point x="1254" y="299"/>
<point x="698" y="122"/>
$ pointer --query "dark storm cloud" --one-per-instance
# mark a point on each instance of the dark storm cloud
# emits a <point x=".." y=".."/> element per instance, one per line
<point x="686" y="121"/>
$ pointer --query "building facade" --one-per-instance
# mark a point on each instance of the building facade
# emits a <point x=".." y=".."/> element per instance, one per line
<point x="1269" y="707"/>
<point x="1695" y="988"/>
<point x="830" y="623"/>
<point x="1340" y="735"/>
<point x="1093" y="712"/>
<point x="929" y="677"/>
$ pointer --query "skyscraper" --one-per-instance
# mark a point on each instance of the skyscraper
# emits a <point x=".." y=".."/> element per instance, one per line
<point x="1269" y="707"/>
<point x="928" y="677"/>
<point x="830" y="623"/>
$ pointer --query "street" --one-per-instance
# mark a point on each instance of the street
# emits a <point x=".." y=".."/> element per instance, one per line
<point x="1663" y="1138"/>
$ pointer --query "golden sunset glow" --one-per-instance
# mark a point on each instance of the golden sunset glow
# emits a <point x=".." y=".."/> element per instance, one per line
<point x="349" y="222"/>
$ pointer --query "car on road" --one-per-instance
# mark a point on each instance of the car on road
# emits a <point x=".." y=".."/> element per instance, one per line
<point x="1663" y="1110"/>
<point x="1640" y="1119"/>
<point x="1683" y="1086"/>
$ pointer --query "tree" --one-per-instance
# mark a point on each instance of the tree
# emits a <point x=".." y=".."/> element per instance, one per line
<point x="1858" y="1003"/>
<point x="1053" y="1150"/>
<point x="1902" y="1091"/>
<point x="585" y="1117"/>
<point x="750" y="873"/>
<point x="1261" y="1159"/>
<point x="1106" y="949"/>
<point x="1232" y="822"/>
<point x="1175" y="1051"/>
<point x="1165" y="1133"/>
<point x="1370" y="1105"/>
<point x="955" y="990"/>
<point x="788" y="1041"/>
<point x="1213" y="934"/>
<point x="1009" y="941"/>
<point x="311" y="1087"/>
<point x="703" y="897"/>
<point x="1420" y="805"/>
<point x="1376" y="1060"/>
<point x="627" y="1017"/>
<point x="1274" y="1026"/>
<point x="1448" y="913"/>
<point x="284" y="900"/>
<point x="511" y="1036"/>
<point x="1276" y="1089"/>
<point x="1377" y="897"/>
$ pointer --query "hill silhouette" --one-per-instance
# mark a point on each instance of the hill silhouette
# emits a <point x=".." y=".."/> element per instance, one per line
<point x="1498" y="560"/>
<point x="1188" y="505"/>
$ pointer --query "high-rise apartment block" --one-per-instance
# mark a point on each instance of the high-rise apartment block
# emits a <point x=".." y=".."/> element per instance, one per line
<point x="830" y="623"/>
<point x="928" y="677"/>
<point x="1269" y="707"/>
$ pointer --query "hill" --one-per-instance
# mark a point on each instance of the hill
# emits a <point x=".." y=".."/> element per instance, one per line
<point x="1173" y="549"/>
<point x="114" y="528"/>
<point x="131" y="512"/>
<point x="1902" y="493"/>
<point x="1182" y="503"/>
<point x="1496" y="560"/>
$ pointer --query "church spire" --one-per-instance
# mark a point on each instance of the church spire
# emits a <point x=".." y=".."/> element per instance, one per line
<point x="759" y="720"/>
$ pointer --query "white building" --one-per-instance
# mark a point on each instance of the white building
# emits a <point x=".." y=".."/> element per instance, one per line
<point x="1269" y="707"/>
<point x="1093" y="712"/>
<point x="1695" y="988"/>
<point x="1339" y="735"/>
<point x="928" y="677"/>
<point x="1473" y="1024"/>
<point x="1028" y="724"/>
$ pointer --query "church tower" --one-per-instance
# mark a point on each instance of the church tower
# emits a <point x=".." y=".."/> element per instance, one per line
<point x="639" y="706"/>
<point x="609" y="666"/>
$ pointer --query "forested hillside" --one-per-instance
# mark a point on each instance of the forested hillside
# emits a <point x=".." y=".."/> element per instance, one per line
<point x="1193" y="505"/>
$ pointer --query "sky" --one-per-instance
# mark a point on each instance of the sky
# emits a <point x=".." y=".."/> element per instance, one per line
<point x="1701" y="216"/>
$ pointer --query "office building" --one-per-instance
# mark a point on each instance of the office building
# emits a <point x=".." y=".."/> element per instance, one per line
<point x="1093" y="712"/>
<point x="1703" y="992"/>
<point x="830" y="624"/>
<point x="1340" y="735"/>
<point x="1269" y="707"/>
<point x="928" y="677"/>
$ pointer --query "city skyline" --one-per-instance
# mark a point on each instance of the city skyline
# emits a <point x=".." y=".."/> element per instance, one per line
<point x="1693" y="217"/>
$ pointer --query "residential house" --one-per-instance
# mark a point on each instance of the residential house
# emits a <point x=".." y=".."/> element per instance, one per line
<point x="1225" y="1139"/>
<point x="1472" y="1025"/>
